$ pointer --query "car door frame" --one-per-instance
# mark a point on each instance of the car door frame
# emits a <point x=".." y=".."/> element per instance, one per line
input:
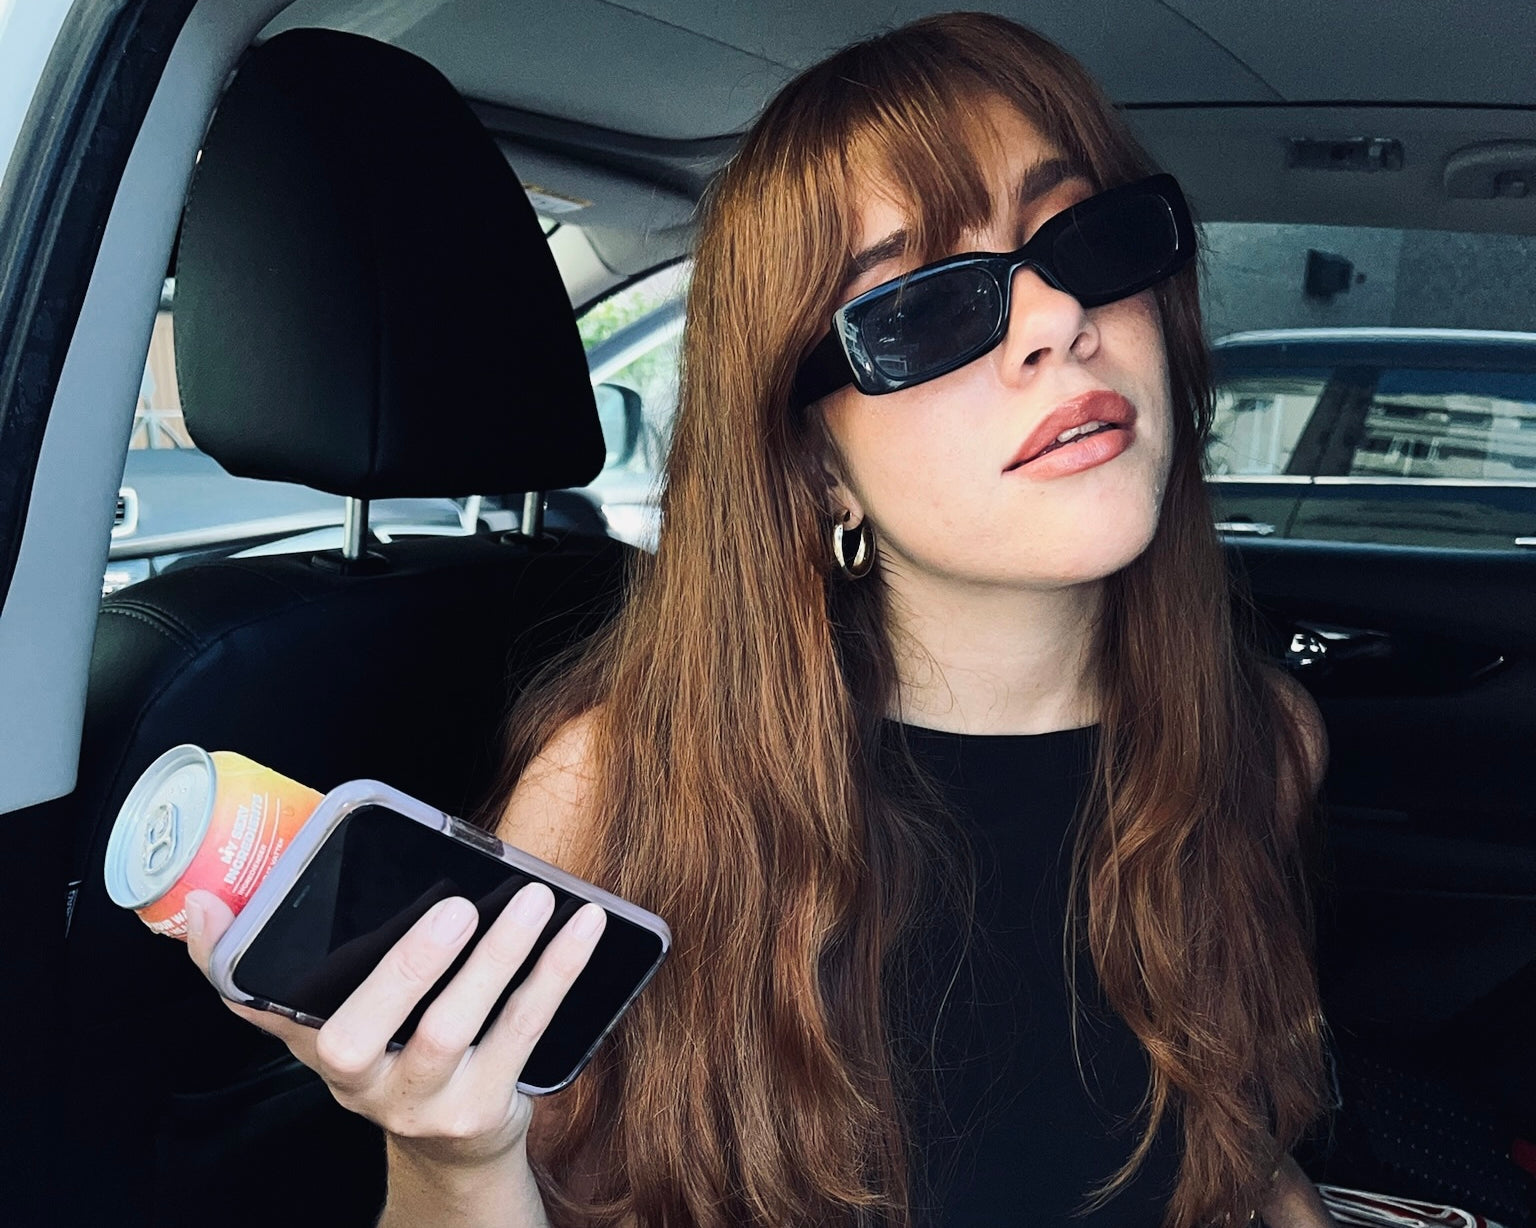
<point x="88" y="229"/>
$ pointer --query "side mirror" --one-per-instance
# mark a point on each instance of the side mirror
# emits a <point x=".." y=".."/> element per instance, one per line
<point x="618" y="411"/>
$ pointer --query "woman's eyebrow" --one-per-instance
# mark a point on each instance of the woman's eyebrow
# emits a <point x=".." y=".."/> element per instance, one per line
<point x="1046" y="176"/>
<point x="888" y="248"/>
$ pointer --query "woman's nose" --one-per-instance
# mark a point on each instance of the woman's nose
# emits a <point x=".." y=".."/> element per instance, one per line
<point x="1043" y="322"/>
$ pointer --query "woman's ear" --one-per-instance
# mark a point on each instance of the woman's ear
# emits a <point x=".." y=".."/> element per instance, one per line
<point x="844" y="506"/>
<point x="840" y="498"/>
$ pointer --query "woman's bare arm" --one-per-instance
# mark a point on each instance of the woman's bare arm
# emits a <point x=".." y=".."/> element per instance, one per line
<point x="1302" y="708"/>
<point x="548" y="813"/>
<point x="545" y="816"/>
<point x="424" y="1193"/>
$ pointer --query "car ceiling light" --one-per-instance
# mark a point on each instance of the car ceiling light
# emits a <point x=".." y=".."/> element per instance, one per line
<point x="1359" y="153"/>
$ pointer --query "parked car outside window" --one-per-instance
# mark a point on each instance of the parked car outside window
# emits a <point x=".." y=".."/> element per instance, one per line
<point x="1419" y="437"/>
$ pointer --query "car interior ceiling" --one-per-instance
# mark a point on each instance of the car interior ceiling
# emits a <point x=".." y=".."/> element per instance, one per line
<point x="1228" y="90"/>
<point x="1428" y="905"/>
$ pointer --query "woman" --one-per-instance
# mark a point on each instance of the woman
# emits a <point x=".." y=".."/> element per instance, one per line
<point x="901" y="627"/>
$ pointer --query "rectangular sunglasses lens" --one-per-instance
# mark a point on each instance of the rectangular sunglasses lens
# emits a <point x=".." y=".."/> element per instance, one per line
<point x="928" y="324"/>
<point x="1114" y="247"/>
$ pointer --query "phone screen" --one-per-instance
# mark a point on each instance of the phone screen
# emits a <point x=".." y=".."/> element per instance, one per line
<point x="373" y="878"/>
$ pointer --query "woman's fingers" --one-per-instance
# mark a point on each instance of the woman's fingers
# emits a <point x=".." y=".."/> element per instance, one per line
<point x="451" y="1023"/>
<point x="207" y="919"/>
<point x="510" y="1040"/>
<point x="351" y="1050"/>
<point x="354" y="1041"/>
<point x="438" y="1047"/>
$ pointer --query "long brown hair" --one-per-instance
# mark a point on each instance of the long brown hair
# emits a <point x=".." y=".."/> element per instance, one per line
<point x="746" y="791"/>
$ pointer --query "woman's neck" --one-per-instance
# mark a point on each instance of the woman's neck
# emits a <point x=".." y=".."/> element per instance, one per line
<point x="987" y="659"/>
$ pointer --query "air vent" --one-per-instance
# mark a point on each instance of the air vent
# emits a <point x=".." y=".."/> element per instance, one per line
<point x="125" y="521"/>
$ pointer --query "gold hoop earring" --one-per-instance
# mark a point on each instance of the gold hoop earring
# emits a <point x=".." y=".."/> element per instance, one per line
<point x="863" y="551"/>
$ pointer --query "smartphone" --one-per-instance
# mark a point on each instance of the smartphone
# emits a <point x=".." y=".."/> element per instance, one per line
<point x="366" y="867"/>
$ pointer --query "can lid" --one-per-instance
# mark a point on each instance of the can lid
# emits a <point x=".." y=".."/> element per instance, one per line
<point x="160" y="827"/>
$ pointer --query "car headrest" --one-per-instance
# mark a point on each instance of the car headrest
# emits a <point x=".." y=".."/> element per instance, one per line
<point x="365" y="300"/>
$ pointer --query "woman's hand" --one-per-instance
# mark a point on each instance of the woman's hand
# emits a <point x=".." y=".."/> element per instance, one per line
<point x="447" y="1102"/>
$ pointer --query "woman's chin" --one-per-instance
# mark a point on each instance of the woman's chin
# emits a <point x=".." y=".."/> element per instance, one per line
<point x="1085" y="556"/>
<point x="1042" y="554"/>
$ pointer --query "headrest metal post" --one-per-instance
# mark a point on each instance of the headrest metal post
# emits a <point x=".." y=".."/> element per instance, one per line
<point x="354" y="528"/>
<point x="532" y="524"/>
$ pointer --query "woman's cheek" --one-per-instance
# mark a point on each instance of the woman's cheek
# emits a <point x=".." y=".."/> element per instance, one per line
<point x="905" y="454"/>
<point x="1162" y="460"/>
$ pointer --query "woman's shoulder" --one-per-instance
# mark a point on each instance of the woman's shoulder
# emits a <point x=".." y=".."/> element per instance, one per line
<point x="550" y="811"/>
<point x="1301" y="709"/>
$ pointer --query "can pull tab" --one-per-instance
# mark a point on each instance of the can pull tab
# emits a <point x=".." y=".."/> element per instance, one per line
<point x="160" y="837"/>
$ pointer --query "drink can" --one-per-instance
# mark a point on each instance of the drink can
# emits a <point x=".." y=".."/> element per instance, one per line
<point x="200" y="821"/>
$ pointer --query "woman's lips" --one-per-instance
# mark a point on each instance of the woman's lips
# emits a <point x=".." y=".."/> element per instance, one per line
<point x="1103" y="406"/>
<point x="1078" y="454"/>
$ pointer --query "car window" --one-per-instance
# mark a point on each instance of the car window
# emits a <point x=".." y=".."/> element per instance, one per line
<point x="654" y="376"/>
<point x="1259" y="418"/>
<point x="1450" y="424"/>
<point x="1372" y="384"/>
<point x="157" y="419"/>
<point x="634" y="339"/>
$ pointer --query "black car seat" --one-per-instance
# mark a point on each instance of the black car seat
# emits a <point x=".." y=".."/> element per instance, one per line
<point x="365" y="303"/>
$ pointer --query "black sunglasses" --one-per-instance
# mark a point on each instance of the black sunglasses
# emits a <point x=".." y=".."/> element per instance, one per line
<point x="930" y="321"/>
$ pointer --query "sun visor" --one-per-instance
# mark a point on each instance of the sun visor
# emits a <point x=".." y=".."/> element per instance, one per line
<point x="569" y="191"/>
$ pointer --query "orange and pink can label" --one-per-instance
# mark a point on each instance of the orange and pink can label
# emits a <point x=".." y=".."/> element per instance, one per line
<point x="204" y="821"/>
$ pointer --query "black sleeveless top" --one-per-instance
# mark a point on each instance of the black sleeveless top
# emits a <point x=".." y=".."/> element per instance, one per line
<point x="1004" y="1129"/>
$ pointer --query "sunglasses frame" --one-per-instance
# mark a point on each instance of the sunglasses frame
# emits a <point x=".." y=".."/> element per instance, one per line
<point x="840" y="359"/>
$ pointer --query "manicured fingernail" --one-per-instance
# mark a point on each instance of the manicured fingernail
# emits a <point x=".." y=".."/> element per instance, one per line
<point x="195" y="917"/>
<point x="452" y="920"/>
<point x="531" y="904"/>
<point x="588" y="920"/>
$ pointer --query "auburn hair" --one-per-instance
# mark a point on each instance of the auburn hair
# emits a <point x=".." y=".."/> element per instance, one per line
<point x="746" y="791"/>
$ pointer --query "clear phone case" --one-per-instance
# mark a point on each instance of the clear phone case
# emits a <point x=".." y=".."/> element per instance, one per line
<point x="333" y="808"/>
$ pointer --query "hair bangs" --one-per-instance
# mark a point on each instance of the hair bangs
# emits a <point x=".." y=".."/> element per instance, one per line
<point x="926" y="154"/>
